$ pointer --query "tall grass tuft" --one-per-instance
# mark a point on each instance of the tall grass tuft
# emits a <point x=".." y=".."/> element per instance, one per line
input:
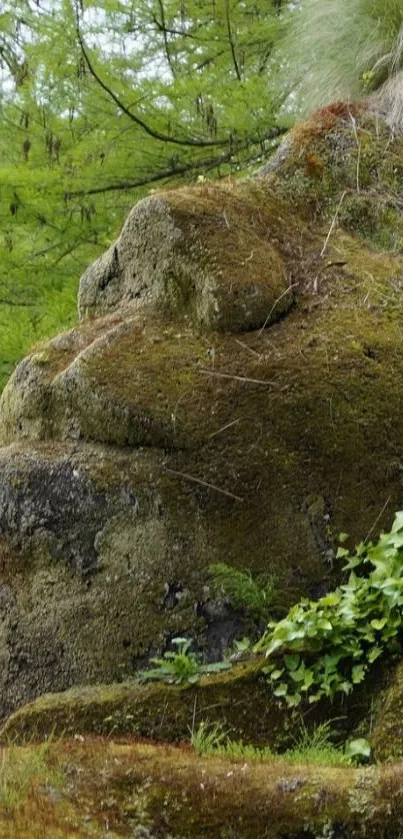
<point x="335" y="50"/>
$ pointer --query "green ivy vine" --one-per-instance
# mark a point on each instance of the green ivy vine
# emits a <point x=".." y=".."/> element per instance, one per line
<point x="326" y="647"/>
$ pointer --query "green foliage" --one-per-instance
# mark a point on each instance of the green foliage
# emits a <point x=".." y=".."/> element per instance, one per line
<point x="22" y="771"/>
<point x="358" y="750"/>
<point x="314" y="747"/>
<point x="181" y="665"/>
<point x="208" y="738"/>
<point x="325" y="647"/>
<point x="100" y="100"/>
<point x="214" y="740"/>
<point x="255" y="597"/>
<point x="337" y="50"/>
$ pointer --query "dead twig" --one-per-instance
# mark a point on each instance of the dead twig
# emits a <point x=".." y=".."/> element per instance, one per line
<point x="195" y="480"/>
<point x="325" y="268"/>
<point x="354" y="124"/>
<point x="333" y="224"/>
<point x="224" y="428"/>
<point x="293" y="285"/>
<point x="377" y="519"/>
<point x="241" y="344"/>
<point x="238" y="378"/>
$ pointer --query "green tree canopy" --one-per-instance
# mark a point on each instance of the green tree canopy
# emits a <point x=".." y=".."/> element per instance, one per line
<point x="101" y="100"/>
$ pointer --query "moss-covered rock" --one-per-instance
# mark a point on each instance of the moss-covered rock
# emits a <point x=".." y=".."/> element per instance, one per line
<point x="387" y="731"/>
<point x="92" y="787"/>
<point x="156" y="437"/>
<point x="200" y="253"/>
<point x="239" y="701"/>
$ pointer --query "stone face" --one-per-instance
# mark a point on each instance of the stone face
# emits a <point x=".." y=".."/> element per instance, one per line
<point x="201" y="254"/>
<point x="169" y="430"/>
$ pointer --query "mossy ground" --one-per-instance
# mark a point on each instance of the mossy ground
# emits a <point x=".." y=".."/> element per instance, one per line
<point x="92" y="787"/>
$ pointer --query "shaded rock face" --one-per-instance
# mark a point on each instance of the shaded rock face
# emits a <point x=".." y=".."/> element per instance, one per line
<point x="233" y="392"/>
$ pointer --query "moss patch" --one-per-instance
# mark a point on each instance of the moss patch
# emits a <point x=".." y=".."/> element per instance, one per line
<point x="239" y="699"/>
<point x="141" y="789"/>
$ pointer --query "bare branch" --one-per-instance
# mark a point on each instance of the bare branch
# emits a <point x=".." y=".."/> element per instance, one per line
<point x="238" y="378"/>
<point x="232" y="43"/>
<point x="157" y="135"/>
<point x="164" y="31"/>
<point x="195" y="480"/>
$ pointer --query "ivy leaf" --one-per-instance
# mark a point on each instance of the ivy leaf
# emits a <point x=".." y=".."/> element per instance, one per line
<point x="358" y="748"/>
<point x="293" y="700"/>
<point x="379" y="623"/>
<point x="331" y="599"/>
<point x="358" y="674"/>
<point x="292" y="661"/>
<point x="398" y="522"/>
<point x="374" y="653"/>
<point x="275" y="674"/>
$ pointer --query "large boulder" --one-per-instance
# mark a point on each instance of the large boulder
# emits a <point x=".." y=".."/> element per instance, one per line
<point x="233" y="392"/>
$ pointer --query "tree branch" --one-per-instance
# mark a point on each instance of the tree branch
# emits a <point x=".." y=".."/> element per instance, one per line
<point x="165" y="37"/>
<point x="232" y="43"/>
<point x="157" y="135"/>
<point x="206" y="164"/>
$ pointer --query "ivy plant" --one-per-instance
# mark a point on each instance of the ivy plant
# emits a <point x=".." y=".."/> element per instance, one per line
<point x="326" y="647"/>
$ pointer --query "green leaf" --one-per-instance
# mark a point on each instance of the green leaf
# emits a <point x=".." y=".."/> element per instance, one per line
<point x="281" y="690"/>
<point x="377" y="623"/>
<point x="398" y="522"/>
<point x="374" y="653"/>
<point x="292" y="661"/>
<point x="331" y="599"/>
<point x="358" y="748"/>
<point x="276" y="674"/>
<point x="358" y="674"/>
<point x="293" y="700"/>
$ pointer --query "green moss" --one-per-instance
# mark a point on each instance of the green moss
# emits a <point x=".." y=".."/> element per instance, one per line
<point x="225" y="439"/>
<point x="387" y="733"/>
<point x="141" y="789"/>
<point x="158" y="711"/>
<point x="238" y="699"/>
<point x="342" y="153"/>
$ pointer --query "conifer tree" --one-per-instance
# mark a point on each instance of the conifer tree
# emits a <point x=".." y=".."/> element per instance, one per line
<point x="100" y="101"/>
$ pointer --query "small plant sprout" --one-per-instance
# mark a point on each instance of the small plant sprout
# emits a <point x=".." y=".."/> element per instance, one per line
<point x="254" y="597"/>
<point x="358" y="751"/>
<point x="181" y="665"/>
<point x="207" y="739"/>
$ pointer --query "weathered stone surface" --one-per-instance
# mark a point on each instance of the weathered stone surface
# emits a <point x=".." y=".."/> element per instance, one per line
<point x="200" y="253"/>
<point x="155" y="438"/>
<point x="236" y="700"/>
<point x="387" y="733"/>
